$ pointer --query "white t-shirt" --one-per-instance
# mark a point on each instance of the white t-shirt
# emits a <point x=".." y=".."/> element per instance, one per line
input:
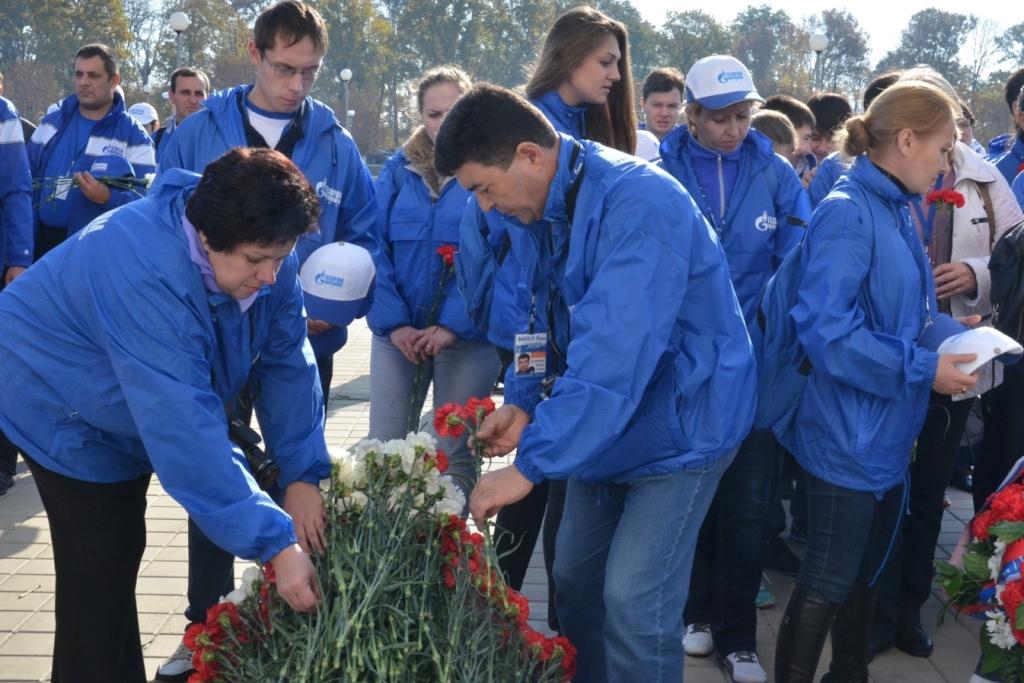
<point x="268" y="124"/>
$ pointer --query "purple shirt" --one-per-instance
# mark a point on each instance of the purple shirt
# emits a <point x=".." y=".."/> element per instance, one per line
<point x="199" y="257"/>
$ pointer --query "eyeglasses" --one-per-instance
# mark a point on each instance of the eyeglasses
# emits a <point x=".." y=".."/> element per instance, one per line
<point x="288" y="72"/>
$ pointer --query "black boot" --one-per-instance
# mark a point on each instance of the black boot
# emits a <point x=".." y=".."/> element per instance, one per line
<point x="851" y="633"/>
<point x="802" y="635"/>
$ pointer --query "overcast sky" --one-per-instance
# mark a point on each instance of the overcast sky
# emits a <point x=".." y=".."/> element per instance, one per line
<point x="883" y="21"/>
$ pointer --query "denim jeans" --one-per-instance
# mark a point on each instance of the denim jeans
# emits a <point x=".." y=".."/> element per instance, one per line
<point x="727" y="562"/>
<point x="623" y="571"/>
<point x="850" y="535"/>
<point x="463" y="370"/>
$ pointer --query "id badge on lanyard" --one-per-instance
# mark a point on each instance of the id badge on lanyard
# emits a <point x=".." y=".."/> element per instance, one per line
<point x="531" y="348"/>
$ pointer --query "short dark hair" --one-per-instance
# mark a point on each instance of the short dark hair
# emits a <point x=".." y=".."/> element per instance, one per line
<point x="486" y="125"/>
<point x="103" y="52"/>
<point x="252" y="195"/>
<point x="877" y="85"/>
<point x="188" y="72"/>
<point x="291" y="21"/>
<point x="523" y="356"/>
<point x="830" y="111"/>
<point x="798" y="113"/>
<point x="1014" y="84"/>
<point x="663" y="80"/>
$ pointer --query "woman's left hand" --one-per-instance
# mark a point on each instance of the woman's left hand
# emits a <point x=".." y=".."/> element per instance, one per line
<point x="954" y="278"/>
<point x="435" y="340"/>
<point x="306" y="506"/>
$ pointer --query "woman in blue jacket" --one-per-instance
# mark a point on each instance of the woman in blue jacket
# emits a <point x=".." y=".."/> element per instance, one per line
<point x="758" y="207"/>
<point x="156" y="314"/>
<point x="865" y="297"/>
<point x="422" y="333"/>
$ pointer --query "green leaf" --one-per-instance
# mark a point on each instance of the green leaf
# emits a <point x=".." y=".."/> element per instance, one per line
<point x="992" y="658"/>
<point x="1007" y="532"/>
<point x="976" y="566"/>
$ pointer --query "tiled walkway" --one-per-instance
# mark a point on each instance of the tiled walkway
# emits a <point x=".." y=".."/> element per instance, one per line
<point x="27" y="582"/>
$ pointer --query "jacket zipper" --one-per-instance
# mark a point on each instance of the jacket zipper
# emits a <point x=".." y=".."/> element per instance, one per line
<point x="721" y="191"/>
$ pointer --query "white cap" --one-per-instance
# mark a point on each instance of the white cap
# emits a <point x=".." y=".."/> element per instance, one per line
<point x="143" y="112"/>
<point x="335" y="280"/>
<point x="647" y="145"/>
<point x="718" y="81"/>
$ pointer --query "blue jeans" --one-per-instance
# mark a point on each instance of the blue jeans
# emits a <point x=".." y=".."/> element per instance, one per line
<point x="727" y="562"/>
<point x="850" y="536"/>
<point x="622" y="568"/>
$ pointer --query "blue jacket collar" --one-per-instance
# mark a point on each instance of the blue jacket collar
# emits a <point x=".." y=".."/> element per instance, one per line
<point x="555" y="210"/>
<point x="69" y="105"/>
<point x="565" y="118"/>
<point x="223" y="106"/>
<point x="756" y="145"/>
<point x="879" y="182"/>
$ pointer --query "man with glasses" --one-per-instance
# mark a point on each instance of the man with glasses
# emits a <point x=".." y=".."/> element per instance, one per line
<point x="287" y="50"/>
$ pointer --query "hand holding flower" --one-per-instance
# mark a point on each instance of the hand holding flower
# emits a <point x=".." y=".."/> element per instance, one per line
<point x="94" y="190"/>
<point x="954" y="278"/>
<point x="434" y="340"/>
<point x="495" y="490"/>
<point x="502" y="429"/>
<point x="296" y="578"/>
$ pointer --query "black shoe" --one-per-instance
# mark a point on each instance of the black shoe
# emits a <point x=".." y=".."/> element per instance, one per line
<point x="779" y="557"/>
<point x="962" y="480"/>
<point x="914" y="641"/>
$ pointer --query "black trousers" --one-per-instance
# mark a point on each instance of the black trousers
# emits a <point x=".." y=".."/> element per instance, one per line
<point x="907" y="580"/>
<point x="98" y="533"/>
<point x="1003" y="443"/>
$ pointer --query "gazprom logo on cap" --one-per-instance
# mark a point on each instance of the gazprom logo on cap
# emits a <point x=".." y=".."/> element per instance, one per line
<point x="325" y="279"/>
<point x="727" y="76"/>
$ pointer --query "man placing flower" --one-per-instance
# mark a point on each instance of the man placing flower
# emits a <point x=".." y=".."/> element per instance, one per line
<point x="647" y="347"/>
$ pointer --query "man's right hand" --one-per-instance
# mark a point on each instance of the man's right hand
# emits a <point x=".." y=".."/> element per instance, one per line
<point x="404" y="338"/>
<point x="949" y="379"/>
<point x="296" y="578"/>
<point x="502" y="429"/>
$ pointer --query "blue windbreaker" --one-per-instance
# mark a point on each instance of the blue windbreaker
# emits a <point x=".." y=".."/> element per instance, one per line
<point x="1018" y="188"/>
<point x="414" y="223"/>
<point x="140" y="361"/>
<point x="865" y="298"/>
<point x="659" y="365"/>
<point x="15" y="191"/>
<point x="829" y="170"/>
<point x="501" y="305"/>
<point x="326" y="155"/>
<point x="766" y="213"/>
<point x="116" y="134"/>
<point x="1007" y="157"/>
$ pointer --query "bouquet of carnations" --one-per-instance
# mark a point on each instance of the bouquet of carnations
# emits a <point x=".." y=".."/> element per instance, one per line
<point x="990" y="584"/>
<point x="408" y="592"/>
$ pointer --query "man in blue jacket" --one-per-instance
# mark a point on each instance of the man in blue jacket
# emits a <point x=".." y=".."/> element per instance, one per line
<point x="650" y="365"/>
<point x="287" y="50"/>
<point x="1007" y="151"/>
<point x="15" y="234"/>
<point x="66" y="147"/>
<point x="155" y="316"/>
<point x="189" y="87"/>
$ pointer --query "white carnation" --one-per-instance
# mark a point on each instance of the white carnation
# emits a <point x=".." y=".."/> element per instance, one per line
<point x="422" y="440"/>
<point x="236" y="596"/>
<point x="995" y="562"/>
<point x="251" y="578"/>
<point x="453" y="502"/>
<point x="354" y="501"/>
<point x="999" y="630"/>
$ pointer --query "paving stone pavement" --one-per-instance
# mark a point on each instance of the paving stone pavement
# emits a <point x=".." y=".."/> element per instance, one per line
<point x="27" y="581"/>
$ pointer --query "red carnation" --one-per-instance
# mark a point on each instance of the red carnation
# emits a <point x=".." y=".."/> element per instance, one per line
<point x="449" y="420"/>
<point x="268" y="571"/>
<point x="981" y="523"/>
<point x="447" y="254"/>
<point x="441" y="460"/>
<point x="479" y="408"/>
<point x="944" y="198"/>
<point x="1012" y="597"/>
<point x="448" y="576"/>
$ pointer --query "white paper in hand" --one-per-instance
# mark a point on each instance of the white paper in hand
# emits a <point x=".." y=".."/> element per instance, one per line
<point x="985" y="342"/>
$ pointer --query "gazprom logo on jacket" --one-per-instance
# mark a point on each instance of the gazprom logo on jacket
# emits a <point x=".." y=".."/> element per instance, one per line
<point x="326" y="279"/>
<point x="116" y="150"/>
<point x="726" y="76"/>
<point x="766" y="222"/>
<point x="328" y="193"/>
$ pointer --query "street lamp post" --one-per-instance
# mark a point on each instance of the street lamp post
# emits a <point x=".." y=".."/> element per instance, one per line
<point x="818" y="42"/>
<point x="179" y="23"/>
<point x="346" y="76"/>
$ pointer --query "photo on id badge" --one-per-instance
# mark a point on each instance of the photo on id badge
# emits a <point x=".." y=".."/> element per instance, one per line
<point x="531" y="354"/>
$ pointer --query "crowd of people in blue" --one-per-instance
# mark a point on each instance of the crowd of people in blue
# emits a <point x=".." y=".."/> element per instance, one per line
<point x="141" y="314"/>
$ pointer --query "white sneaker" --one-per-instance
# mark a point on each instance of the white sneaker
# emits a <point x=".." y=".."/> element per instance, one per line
<point x="178" y="666"/>
<point x="697" y="641"/>
<point x="743" y="667"/>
